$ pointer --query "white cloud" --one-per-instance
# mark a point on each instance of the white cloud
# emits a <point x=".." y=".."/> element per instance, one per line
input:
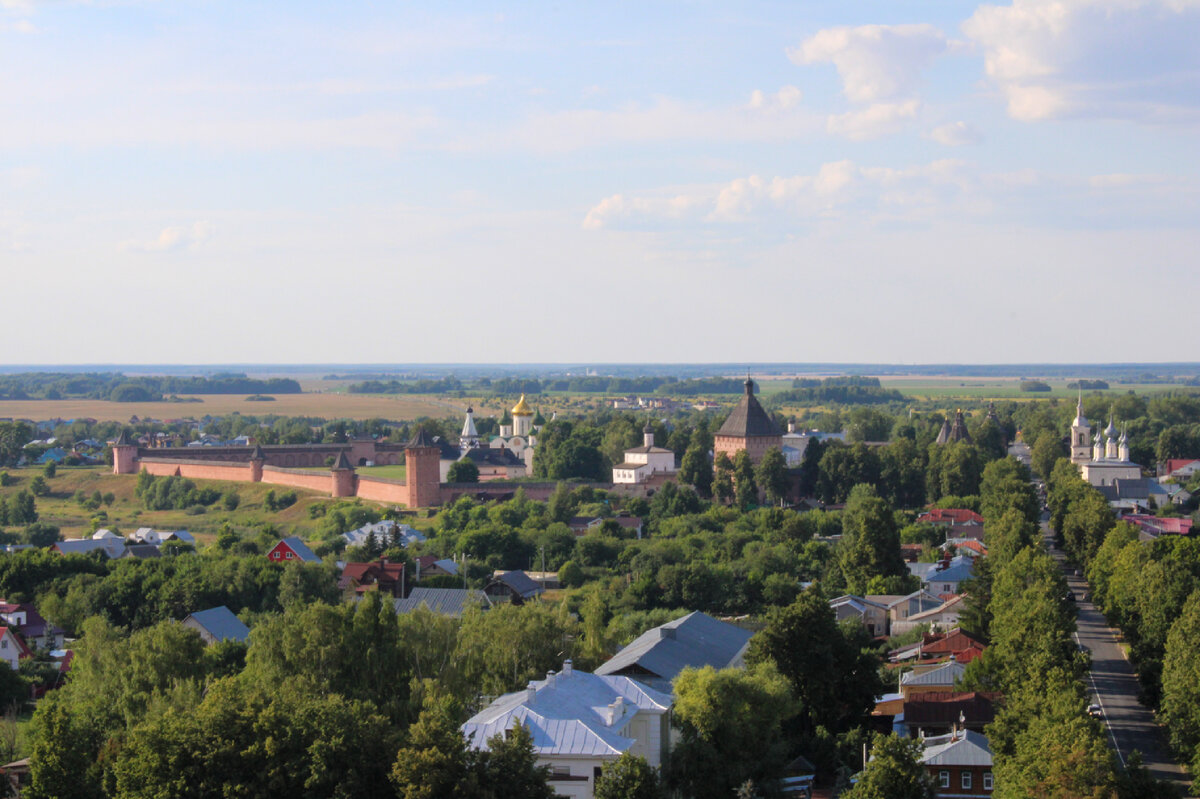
<point x="175" y="237"/>
<point x="1126" y="59"/>
<point x="856" y="196"/>
<point x="873" y="121"/>
<point x="20" y="26"/>
<point x="875" y="62"/>
<point x="786" y="98"/>
<point x="956" y="134"/>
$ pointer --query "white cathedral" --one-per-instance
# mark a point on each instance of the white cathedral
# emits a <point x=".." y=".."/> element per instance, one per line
<point x="1104" y="459"/>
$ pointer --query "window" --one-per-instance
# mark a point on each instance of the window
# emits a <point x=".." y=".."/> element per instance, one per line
<point x="966" y="780"/>
<point x="289" y="556"/>
<point x="944" y="779"/>
<point x="987" y="780"/>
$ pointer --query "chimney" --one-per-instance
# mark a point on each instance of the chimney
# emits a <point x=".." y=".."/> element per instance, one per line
<point x="791" y="427"/>
<point x="551" y="679"/>
<point x="568" y="668"/>
<point x="530" y="692"/>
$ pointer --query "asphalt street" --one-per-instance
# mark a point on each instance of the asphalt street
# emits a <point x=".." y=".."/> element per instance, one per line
<point x="1114" y="686"/>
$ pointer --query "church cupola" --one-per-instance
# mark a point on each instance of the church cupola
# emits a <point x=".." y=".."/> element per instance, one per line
<point x="1110" y="432"/>
<point x="1123" y="446"/>
<point x="648" y="436"/>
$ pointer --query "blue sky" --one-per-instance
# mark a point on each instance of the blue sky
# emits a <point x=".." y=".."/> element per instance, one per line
<point x="384" y="182"/>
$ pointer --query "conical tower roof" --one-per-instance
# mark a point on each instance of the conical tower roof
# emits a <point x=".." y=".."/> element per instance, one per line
<point x="748" y="419"/>
<point x="123" y="439"/>
<point x="342" y="462"/>
<point x="421" y="439"/>
<point x="257" y="454"/>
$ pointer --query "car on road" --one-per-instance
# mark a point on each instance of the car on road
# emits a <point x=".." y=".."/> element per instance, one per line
<point x="1095" y="711"/>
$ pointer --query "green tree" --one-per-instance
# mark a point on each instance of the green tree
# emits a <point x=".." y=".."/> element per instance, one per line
<point x="50" y="469"/>
<point x="38" y="486"/>
<point x="696" y="471"/>
<point x="731" y="729"/>
<point x="895" y="771"/>
<point x="512" y="768"/>
<point x="463" y="471"/>
<point x="722" y="487"/>
<point x="772" y="475"/>
<point x="1181" y="682"/>
<point x="434" y="761"/>
<point x="832" y="674"/>
<point x="870" y="545"/>
<point x="1045" y="452"/>
<point x="745" y="488"/>
<point x="628" y="777"/>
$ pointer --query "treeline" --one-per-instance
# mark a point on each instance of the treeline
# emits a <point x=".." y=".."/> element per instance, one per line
<point x="1151" y="591"/>
<point x="121" y="388"/>
<point x="848" y="390"/>
<point x="1043" y="741"/>
<point x="514" y="386"/>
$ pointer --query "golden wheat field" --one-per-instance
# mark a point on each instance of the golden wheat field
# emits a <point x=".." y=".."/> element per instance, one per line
<point x="328" y="406"/>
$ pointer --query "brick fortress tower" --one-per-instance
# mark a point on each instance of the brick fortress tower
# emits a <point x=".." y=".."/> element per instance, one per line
<point x="124" y="452"/>
<point x="422" y="471"/>
<point x="343" y="483"/>
<point x="749" y="428"/>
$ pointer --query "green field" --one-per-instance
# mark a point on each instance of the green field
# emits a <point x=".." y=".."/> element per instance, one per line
<point x="1006" y="389"/>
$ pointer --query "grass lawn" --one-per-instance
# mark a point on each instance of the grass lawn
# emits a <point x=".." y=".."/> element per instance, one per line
<point x="386" y="472"/>
<point x="127" y="514"/>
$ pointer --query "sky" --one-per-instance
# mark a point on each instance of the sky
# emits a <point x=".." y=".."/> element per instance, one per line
<point x="889" y="181"/>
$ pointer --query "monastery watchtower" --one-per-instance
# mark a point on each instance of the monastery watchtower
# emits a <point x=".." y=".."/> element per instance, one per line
<point x="422" y="471"/>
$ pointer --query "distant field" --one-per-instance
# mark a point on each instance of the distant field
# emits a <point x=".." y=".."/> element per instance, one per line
<point x="936" y="388"/>
<point x="329" y="406"/>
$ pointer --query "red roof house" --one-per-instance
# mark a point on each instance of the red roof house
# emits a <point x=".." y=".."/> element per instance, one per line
<point x="950" y="516"/>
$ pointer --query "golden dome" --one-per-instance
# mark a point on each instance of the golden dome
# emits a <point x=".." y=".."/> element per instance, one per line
<point x="522" y="408"/>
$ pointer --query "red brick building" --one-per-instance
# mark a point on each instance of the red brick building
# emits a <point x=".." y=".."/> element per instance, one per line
<point x="749" y="428"/>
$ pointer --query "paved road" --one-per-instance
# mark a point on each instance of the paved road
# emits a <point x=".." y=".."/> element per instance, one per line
<point x="1114" y="685"/>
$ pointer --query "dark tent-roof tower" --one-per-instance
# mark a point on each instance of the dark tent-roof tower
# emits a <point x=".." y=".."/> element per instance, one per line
<point x="749" y="427"/>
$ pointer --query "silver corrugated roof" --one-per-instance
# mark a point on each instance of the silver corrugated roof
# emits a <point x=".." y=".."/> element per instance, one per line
<point x="572" y="714"/>
<point x="963" y="748"/>
<point x="946" y="674"/>
<point x="446" y="601"/>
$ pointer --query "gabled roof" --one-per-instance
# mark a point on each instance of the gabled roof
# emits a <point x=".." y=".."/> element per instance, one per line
<point x="113" y="548"/>
<point x="749" y="419"/>
<point x="519" y="583"/>
<point x="302" y="551"/>
<point x="492" y="456"/>
<point x="221" y="624"/>
<point x="574" y="713"/>
<point x="952" y="515"/>
<point x="23" y="651"/>
<point x="444" y="601"/>
<point x="948" y="643"/>
<point x="960" y="568"/>
<point x="694" y="640"/>
<point x="445" y="564"/>
<point x="940" y="609"/>
<point x="141" y="551"/>
<point x="963" y="748"/>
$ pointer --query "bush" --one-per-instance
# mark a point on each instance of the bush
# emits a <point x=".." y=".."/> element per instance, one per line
<point x="7" y="479"/>
<point x="38" y="487"/>
<point x="1034" y="385"/>
<point x="50" y="469"/>
<point x="570" y="575"/>
<point x="231" y="500"/>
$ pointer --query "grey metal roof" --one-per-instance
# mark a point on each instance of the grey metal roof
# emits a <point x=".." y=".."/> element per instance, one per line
<point x="302" y="551"/>
<point x="963" y="748"/>
<point x="960" y="569"/>
<point x="946" y="674"/>
<point x="444" y="601"/>
<point x="113" y="548"/>
<point x="519" y="583"/>
<point x="749" y="419"/>
<point x="221" y="624"/>
<point x="696" y="640"/>
<point x="571" y="714"/>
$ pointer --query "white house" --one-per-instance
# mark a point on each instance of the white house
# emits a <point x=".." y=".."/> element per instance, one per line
<point x="580" y="721"/>
<point x="642" y="462"/>
<point x="12" y="648"/>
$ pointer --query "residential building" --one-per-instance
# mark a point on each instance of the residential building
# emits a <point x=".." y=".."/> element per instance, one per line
<point x="387" y="533"/>
<point x="939" y="678"/>
<point x="217" y="624"/>
<point x="960" y="764"/>
<point x="109" y="547"/>
<point x="580" y="721"/>
<point x="943" y="617"/>
<point x="949" y="576"/>
<point x="692" y="641"/>
<point x="12" y="649"/>
<point x="432" y="566"/>
<point x="35" y="631"/>
<point x="380" y="575"/>
<point x="292" y="549"/>
<point x="515" y="586"/>
<point x="443" y="601"/>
